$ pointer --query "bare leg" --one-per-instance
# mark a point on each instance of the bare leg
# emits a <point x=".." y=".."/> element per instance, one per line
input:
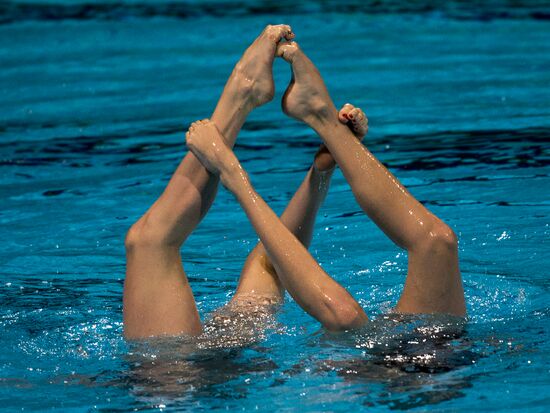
<point x="314" y="290"/>
<point x="259" y="279"/>
<point x="259" y="282"/>
<point x="433" y="282"/>
<point x="157" y="296"/>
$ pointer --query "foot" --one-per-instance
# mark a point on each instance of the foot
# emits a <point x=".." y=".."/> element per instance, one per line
<point x="207" y="144"/>
<point x="250" y="83"/>
<point x="252" y="77"/>
<point x="357" y="121"/>
<point x="307" y="97"/>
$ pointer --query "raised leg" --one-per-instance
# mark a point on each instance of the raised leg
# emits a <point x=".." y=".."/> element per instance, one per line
<point x="157" y="296"/>
<point x="259" y="282"/>
<point x="433" y="282"/>
<point x="314" y="290"/>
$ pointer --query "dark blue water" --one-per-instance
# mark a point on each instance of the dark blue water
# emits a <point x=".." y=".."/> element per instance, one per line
<point x="94" y="102"/>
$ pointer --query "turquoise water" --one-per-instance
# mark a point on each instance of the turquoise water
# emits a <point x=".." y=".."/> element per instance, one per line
<point x="94" y="102"/>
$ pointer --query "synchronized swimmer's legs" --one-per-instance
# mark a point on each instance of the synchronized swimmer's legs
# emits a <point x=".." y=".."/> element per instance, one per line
<point x="157" y="296"/>
<point x="433" y="283"/>
<point x="312" y="288"/>
<point x="258" y="277"/>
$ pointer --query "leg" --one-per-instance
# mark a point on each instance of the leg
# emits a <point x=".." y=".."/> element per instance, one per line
<point x="433" y="282"/>
<point x="259" y="280"/>
<point x="314" y="290"/>
<point x="157" y="296"/>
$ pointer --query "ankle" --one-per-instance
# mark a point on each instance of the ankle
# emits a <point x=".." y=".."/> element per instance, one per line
<point x="324" y="126"/>
<point x="251" y="92"/>
<point x="238" y="90"/>
<point x="324" y="170"/>
<point x="233" y="176"/>
<point x="323" y="113"/>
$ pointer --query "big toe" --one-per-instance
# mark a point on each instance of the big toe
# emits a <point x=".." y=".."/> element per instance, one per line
<point x="344" y="112"/>
<point x="288" y="51"/>
<point x="279" y="31"/>
<point x="360" y="122"/>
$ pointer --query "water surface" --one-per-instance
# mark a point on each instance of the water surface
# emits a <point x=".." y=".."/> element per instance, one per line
<point x="94" y="102"/>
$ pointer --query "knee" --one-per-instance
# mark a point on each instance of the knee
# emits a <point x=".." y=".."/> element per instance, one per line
<point x="440" y="238"/>
<point x="134" y="235"/>
<point x="344" y="316"/>
<point x="347" y="320"/>
<point x="143" y="233"/>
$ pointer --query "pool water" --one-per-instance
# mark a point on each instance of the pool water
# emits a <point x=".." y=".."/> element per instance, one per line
<point x="94" y="102"/>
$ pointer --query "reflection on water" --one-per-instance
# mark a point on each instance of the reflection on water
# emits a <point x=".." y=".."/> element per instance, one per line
<point x="416" y="360"/>
<point x="403" y="354"/>
<point x="174" y="373"/>
<point x="228" y="348"/>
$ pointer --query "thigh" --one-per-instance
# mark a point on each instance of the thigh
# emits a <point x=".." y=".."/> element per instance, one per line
<point x="258" y="281"/>
<point x="157" y="297"/>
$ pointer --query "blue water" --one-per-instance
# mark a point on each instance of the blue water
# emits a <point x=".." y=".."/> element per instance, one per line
<point x="94" y="102"/>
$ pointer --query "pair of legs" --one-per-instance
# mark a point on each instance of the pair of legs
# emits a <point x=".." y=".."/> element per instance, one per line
<point x="434" y="283"/>
<point x="157" y="296"/>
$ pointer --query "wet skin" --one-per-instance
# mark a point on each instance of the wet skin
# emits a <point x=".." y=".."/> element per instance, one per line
<point x="157" y="297"/>
<point x="433" y="284"/>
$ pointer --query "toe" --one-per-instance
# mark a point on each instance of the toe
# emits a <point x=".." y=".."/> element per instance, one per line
<point x="287" y="50"/>
<point x="189" y="140"/>
<point x="361" y="128"/>
<point x="343" y="114"/>
<point x="289" y="34"/>
<point x="363" y="131"/>
<point x="285" y="31"/>
<point x="362" y="119"/>
<point x="277" y="32"/>
<point x="365" y="126"/>
<point x="353" y="113"/>
<point x="359" y="116"/>
<point x="359" y="122"/>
